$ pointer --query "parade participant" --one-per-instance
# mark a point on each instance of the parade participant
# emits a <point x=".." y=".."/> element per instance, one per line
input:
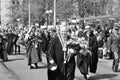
<point x="57" y="51"/>
<point x="113" y="45"/>
<point x="46" y="38"/>
<point x="33" y="48"/>
<point x="88" y="58"/>
<point x="52" y="33"/>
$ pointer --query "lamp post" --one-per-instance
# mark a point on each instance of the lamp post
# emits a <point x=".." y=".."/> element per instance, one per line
<point x="48" y="16"/>
<point x="55" y="13"/>
<point x="29" y="13"/>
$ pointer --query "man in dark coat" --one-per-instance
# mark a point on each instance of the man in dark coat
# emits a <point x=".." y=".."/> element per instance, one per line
<point x="46" y="39"/>
<point x="10" y="36"/>
<point x="87" y="60"/>
<point x="3" y="54"/>
<point x="1" y="48"/>
<point x="15" y="44"/>
<point x="64" y="71"/>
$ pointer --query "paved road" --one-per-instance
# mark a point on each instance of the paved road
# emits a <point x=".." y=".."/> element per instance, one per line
<point x="17" y="69"/>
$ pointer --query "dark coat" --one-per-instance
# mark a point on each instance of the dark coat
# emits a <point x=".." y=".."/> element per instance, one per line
<point x="83" y="61"/>
<point x="3" y="47"/>
<point x="46" y="39"/>
<point x="33" y="52"/>
<point x="57" y="54"/>
<point x="80" y="33"/>
<point x="10" y="37"/>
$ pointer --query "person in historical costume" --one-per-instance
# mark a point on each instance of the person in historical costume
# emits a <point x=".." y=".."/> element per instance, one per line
<point x="114" y="46"/>
<point x="33" y="48"/>
<point x="45" y="38"/>
<point x="65" y="68"/>
<point x="88" y="58"/>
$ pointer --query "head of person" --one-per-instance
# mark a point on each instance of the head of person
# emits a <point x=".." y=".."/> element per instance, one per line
<point x="52" y="32"/>
<point x="33" y="29"/>
<point x="10" y="31"/>
<point x="88" y="29"/>
<point x="63" y="31"/>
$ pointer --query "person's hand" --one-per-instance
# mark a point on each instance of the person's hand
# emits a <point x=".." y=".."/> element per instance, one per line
<point x="81" y="51"/>
<point x="108" y="51"/>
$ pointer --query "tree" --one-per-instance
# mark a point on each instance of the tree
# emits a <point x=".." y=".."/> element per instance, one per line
<point x="113" y="7"/>
<point x="65" y="8"/>
<point x="22" y="10"/>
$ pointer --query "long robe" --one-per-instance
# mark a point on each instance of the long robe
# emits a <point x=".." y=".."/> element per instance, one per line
<point x="46" y="39"/>
<point x="83" y="61"/>
<point x="33" y="52"/>
<point x="64" y="71"/>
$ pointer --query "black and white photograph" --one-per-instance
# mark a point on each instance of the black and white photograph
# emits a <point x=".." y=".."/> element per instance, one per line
<point x="59" y="39"/>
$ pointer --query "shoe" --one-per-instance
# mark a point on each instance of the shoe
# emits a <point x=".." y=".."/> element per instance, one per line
<point x="118" y="70"/>
<point x="114" y="69"/>
<point x="31" y="67"/>
<point x="36" y="66"/>
<point x="87" y="77"/>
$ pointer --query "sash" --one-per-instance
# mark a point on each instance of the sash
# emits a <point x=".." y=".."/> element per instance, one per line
<point x="63" y="46"/>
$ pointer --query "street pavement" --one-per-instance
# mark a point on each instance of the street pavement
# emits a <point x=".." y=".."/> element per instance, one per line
<point x="17" y="69"/>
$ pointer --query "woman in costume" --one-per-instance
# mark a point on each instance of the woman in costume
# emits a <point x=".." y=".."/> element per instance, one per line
<point x="33" y="47"/>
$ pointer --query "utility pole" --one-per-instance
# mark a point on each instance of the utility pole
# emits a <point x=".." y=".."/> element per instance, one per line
<point x="29" y="14"/>
<point x="55" y="13"/>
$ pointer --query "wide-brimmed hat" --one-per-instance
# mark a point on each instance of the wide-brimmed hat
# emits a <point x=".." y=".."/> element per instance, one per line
<point x="87" y="27"/>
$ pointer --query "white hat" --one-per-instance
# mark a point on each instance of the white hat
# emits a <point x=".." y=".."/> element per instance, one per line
<point x="87" y="27"/>
<point x="36" y="24"/>
<point x="63" y="23"/>
<point x="44" y="26"/>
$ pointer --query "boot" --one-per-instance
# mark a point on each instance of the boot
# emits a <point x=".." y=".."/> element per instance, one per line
<point x="36" y="65"/>
<point x="115" y="65"/>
